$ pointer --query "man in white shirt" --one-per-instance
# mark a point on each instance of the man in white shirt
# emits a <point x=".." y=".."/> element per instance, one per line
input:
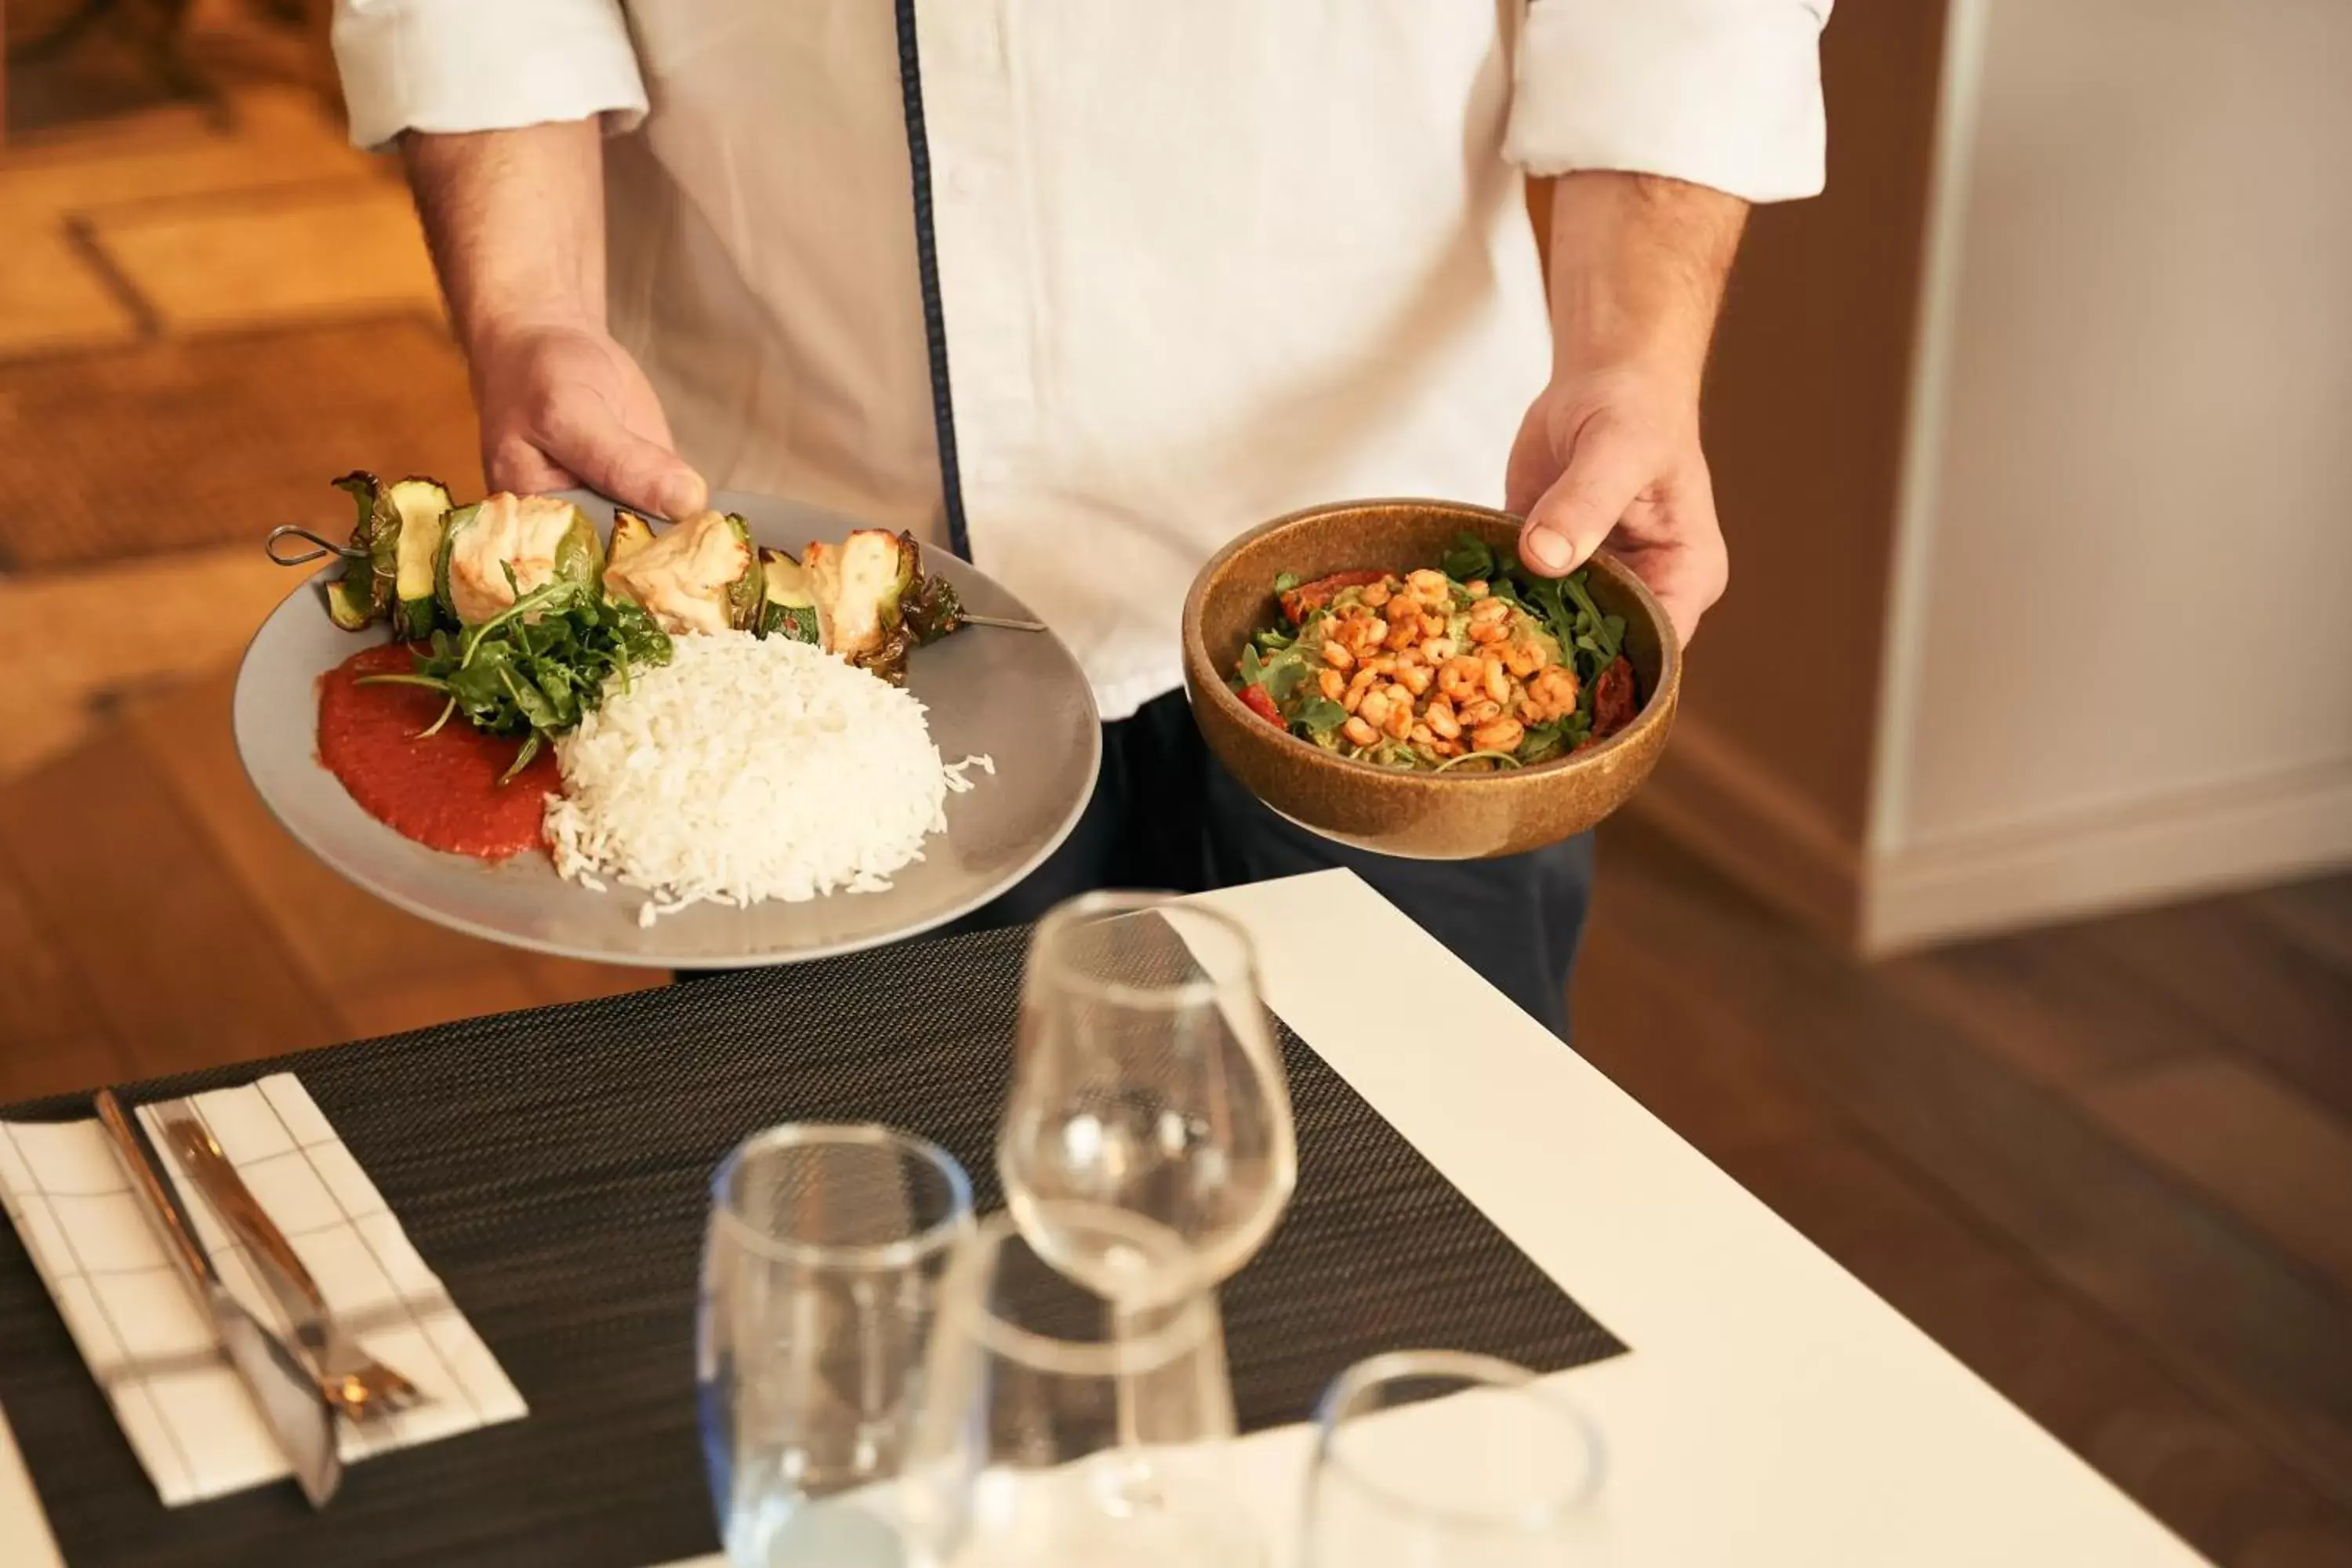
<point x="1082" y="288"/>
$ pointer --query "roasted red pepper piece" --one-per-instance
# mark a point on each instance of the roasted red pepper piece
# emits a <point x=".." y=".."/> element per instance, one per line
<point x="1308" y="597"/>
<point x="1612" y="698"/>
<point x="1256" y="701"/>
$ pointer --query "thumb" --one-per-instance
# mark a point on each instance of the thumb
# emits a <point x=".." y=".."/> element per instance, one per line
<point x="588" y="438"/>
<point x="1569" y="521"/>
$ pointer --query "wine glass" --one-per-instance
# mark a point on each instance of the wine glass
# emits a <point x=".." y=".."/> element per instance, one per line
<point x="1147" y="1085"/>
<point x="1060" y="1426"/>
<point x="820" y="1275"/>
<point x="1445" y="1459"/>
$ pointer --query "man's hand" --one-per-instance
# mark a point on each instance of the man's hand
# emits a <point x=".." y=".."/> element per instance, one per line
<point x="516" y="222"/>
<point x="563" y="405"/>
<point x="1611" y="449"/>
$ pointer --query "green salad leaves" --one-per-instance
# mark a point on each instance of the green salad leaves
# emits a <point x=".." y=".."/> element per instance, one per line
<point x="534" y="668"/>
<point x="1589" y="641"/>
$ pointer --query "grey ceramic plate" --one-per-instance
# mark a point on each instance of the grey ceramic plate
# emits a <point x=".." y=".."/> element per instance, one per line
<point x="1017" y="697"/>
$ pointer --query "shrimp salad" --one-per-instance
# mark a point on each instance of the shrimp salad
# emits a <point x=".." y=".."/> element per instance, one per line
<point x="1473" y="666"/>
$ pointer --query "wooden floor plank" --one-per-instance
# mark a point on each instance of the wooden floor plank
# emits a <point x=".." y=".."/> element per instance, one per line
<point x="554" y="980"/>
<point x="2270" y="1154"/>
<point x="2316" y="913"/>
<point x="183" y="968"/>
<point x="51" y="298"/>
<point x="62" y="644"/>
<point x="2244" y="1323"/>
<point x="2269" y="995"/>
<point x="345" y="939"/>
<point x="40" y="999"/>
<point x="417" y="1002"/>
<point x="2048" y="1005"/>
<point x="1671" y="1045"/>
<point x="351" y="249"/>
<point x="2066" y="1366"/>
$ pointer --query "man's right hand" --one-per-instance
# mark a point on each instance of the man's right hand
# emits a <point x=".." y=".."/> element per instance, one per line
<point x="563" y="405"/>
<point x="516" y="221"/>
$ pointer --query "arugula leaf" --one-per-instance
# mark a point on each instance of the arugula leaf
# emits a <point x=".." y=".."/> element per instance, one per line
<point x="1283" y="678"/>
<point x="1611" y="642"/>
<point x="1252" y="666"/>
<point x="535" y="668"/>
<point x="1285" y="582"/>
<point x="1321" y="717"/>
<point x="1543" y="742"/>
<point x="1468" y="558"/>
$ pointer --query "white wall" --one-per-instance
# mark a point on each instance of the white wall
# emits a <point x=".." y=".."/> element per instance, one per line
<point x="2119" y="656"/>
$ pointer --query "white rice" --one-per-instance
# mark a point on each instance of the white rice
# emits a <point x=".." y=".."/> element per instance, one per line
<point x="748" y="769"/>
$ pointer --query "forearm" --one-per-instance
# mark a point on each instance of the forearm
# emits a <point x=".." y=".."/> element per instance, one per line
<point x="516" y="223"/>
<point x="1638" y="267"/>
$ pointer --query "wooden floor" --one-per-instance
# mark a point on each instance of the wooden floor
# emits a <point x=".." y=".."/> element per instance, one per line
<point x="2109" y="1165"/>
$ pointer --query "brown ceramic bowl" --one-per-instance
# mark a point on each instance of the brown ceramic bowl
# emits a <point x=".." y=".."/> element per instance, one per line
<point x="1429" y="816"/>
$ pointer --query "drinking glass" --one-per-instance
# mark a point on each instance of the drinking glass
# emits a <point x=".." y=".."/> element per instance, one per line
<point x="1146" y="1086"/>
<point x="1059" y="1427"/>
<point x="820" y="1275"/>
<point x="1444" y="1459"/>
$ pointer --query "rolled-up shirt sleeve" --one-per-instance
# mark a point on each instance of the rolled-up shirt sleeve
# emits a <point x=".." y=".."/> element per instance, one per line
<point x="1726" y="93"/>
<point x="483" y="65"/>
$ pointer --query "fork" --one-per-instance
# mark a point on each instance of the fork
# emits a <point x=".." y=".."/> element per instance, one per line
<point x="350" y="1379"/>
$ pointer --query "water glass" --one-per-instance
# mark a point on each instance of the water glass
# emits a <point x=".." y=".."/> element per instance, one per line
<point x="820" y="1277"/>
<point x="1059" y="1427"/>
<point x="1147" y="1085"/>
<point x="1444" y="1459"/>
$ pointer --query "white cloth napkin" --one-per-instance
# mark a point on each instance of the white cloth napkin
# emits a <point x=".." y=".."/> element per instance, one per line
<point x="151" y="1347"/>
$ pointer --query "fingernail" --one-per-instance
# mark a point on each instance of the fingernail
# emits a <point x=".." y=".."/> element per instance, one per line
<point x="1550" y="552"/>
<point x="684" y="496"/>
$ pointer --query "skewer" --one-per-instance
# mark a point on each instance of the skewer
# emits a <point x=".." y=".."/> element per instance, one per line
<point x="326" y="547"/>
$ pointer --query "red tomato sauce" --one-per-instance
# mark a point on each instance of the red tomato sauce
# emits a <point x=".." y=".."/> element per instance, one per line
<point x="443" y="790"/>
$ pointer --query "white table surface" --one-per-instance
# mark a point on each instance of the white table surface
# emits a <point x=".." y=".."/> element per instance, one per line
<point x="1772" y="1411"/>
<point x="24" y="1539"/>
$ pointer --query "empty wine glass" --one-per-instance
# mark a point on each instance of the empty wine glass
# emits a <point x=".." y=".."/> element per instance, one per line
<point x="820" y="1275"/>
<point x="1444" y="1459"/>
<point x="1058" y="1426"/>
<point x="1147" y="1085"/>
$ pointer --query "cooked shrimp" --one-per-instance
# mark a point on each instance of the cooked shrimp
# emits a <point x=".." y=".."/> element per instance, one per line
<point x="1459" y="677"/>
<point x="1552" y="694"/>
<point x="1500" y="735"/>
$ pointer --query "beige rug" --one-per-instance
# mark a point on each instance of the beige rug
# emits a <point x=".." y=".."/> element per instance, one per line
<point x="161" y="447"/>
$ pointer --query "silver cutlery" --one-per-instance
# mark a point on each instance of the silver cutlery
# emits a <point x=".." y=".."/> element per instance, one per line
<point x="284" y="1394"/>
<point x="354" y="1381"/>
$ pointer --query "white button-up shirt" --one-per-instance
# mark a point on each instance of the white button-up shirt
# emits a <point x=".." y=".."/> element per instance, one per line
<point x="1085" y="287"/>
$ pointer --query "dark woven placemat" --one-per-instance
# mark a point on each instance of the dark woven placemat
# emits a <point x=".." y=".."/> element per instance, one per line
<point x="551" y="1166"/>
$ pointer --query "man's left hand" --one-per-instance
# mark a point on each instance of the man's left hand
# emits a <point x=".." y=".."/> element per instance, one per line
<point x="1614" y="455"/>
<point x="1609" y="451"/>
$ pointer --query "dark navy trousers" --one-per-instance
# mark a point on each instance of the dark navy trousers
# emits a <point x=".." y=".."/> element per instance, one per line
<point x="1166" y="815"/>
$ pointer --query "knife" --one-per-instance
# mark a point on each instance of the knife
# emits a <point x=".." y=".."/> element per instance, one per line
<point x="356" y="1384"/>
<point x="283" y="1391"/>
